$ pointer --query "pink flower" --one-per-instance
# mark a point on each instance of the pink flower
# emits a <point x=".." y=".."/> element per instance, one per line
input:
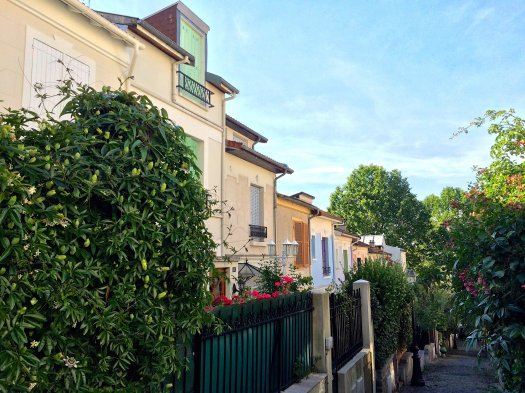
<point x="278" y="283"/>
<point x="275" y="294"/>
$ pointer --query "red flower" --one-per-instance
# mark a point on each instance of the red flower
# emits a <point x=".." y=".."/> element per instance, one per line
<point x="275" y="294"/>
<point x="278" y="283"/>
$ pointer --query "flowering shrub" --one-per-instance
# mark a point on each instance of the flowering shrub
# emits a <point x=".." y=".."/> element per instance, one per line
<point x="104" y="254"/>
<point x="488" y="242"/>
<point x="284" y="286"/>
<point x="272" y="278"/>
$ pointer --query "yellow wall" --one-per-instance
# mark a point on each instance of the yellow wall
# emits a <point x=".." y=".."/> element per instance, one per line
<point x="287" y="213"/>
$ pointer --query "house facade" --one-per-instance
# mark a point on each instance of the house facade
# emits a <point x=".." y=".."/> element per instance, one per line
<point x="344" y="246"/>
<point x="293" y="224"/>
<point x="250" y="202"/>
<point x="378" y="249"/>
<point x="162" y="56"/>
<point x="321" y="234"/>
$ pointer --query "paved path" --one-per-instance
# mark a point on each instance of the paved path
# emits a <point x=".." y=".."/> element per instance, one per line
<point x="459" y="372"/>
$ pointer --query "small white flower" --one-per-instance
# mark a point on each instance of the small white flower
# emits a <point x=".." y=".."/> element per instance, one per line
<point x="21" y="137"/>
<point x="26" y="246"/>
<point x="31" y="190"/>
<point x="31" y="386"/>
<point x="70" y="362"/>
<point x="157" y="224"/>
<point x="35" y="344"/>
<point x="37" y="253"/>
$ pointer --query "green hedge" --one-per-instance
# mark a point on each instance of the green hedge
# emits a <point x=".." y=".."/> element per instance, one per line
<point x="390" y="296"/>
<point x="104" y="254"/>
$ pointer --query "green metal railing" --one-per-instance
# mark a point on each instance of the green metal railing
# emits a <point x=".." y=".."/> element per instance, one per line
<point x="264" y="347"/>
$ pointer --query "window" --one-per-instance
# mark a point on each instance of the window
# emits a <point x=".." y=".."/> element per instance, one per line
<point x="312" y="246"/>
<point x="256" y="204"/>
<point x="326" y="263"/>
<point x="300" y="233"/>
<point x="196" y="149"/>
<point x="49" y="67"/>
<point x="345" y="260"/>
<point x="191" y="78"/>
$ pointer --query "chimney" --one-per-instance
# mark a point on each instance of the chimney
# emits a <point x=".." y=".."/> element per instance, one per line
<point x="372" y="243"/>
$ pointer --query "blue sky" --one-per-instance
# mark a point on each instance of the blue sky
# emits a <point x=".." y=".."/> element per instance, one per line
<point x="336" y="84"/>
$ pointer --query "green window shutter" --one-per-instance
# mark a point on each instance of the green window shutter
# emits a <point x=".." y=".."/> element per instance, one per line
<point x="192" y="41"/>
<point x="345" y="258"/>
<point x="195" y="149"/>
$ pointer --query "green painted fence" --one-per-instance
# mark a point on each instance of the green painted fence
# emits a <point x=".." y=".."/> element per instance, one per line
<point x="264" y="347"/>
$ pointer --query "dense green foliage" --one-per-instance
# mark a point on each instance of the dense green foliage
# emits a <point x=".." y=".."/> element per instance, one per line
<point x="444" y="207"/>
<point x="391" y="297"/>
<point x="488" y="242"/>
<point x="433" y="308"/>
<point x="104" y="254"/>
<point x="377" y="201"/>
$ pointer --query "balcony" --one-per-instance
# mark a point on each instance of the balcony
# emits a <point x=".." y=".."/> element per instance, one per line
<point x="327" y="270"/>
<point x="258" y="232"/>
<point x="194" y="88"/>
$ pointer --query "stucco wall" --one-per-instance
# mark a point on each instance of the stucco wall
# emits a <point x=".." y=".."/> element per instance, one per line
<point x="286" y="214"/>
<point x="321" y="227"/>
<point x="240" y="175"/>
<point x="342" y="243"/>
<point x="54" y="24"/>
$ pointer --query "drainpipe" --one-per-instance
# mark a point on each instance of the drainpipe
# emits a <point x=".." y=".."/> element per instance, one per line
<point x="131" y="67"/>
<point x="223" y="161"/>
<point x="174" y="79"/>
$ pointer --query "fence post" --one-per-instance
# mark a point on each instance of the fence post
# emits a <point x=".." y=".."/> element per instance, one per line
<point x="321" y="331"/>
<point x="368" y="333"/>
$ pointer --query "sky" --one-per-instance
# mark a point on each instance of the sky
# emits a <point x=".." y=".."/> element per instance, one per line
<point x="336" y="84"/>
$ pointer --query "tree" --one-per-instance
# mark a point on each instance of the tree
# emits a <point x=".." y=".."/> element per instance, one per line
<point x="444" y="207"/>
<point x="377" y="201"/>
<point x="489" y="247"/>
<point x="104" y="253"/>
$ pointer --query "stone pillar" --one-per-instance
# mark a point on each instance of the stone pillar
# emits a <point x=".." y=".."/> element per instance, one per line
<point x="368" y="332"/>
<point x="321" y="331"/>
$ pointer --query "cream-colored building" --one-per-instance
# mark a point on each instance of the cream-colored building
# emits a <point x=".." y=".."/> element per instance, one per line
<point x="344" y="245"/>
<point x="162" y="56"/>
<point x="249" y="199"/>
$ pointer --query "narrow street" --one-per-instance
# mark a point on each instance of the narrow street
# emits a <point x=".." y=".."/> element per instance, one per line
<point x="459" y="372"/>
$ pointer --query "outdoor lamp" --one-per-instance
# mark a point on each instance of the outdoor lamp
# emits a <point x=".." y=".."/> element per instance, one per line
<point x="271" y="248"/>
<point x="411" y="276"/>
<point x="417" y="376"/>
<point x="295" y="248"/>
<point x="287" y="248"/>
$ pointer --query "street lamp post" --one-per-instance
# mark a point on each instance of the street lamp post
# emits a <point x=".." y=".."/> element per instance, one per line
<point x="417" y="376"/>
<point x="290" y="249"/>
